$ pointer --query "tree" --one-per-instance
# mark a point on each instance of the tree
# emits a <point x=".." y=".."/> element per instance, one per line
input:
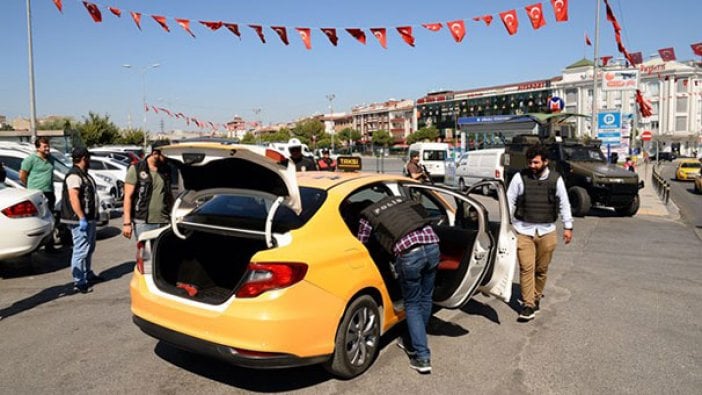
<point x="281" y="136"/>
<point x="248" y="138"/>
<point x="304" y="130"/>
<point x="429" y="133"/>
<point x="348" y="134"/>
<point x="131" y="137"/>
<point x="56" y="124"/>
<point x="382" y="138"/>
<point x="97" y="130"/>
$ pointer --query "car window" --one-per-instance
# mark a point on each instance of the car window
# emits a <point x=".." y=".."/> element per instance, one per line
<point x="96" y="165"/>
<point x="11" y="162"/>
<point x="691" y="165"/>
<point x="358" y="200"/>
<point x="429" y="201"/>
<point x="434" y="155"/>
<point x="110" y="166"/>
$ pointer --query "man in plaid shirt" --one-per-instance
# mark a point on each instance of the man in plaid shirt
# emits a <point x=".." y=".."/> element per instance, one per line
<point x="401" y="227"/>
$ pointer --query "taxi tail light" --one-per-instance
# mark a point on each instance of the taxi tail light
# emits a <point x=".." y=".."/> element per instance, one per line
<point x="21" y="210"/>
<point x="143" y="257"/>
<point x="262" y="277"/>
<point x="497" y="173"/>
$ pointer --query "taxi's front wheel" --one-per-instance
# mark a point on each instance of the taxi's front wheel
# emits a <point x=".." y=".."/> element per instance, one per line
<point x="357" y="339"/>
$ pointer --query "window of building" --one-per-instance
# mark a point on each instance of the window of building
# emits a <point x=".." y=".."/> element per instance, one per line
<point x="681" y="85"/>
<point x="681" y="123"/>
<point x="652" y="88"/>
<point x="681" y="104"/>
<point x="571" y="96"/>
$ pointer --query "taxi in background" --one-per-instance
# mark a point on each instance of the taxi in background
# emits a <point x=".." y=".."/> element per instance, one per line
<point x="261" y="266"/>
<point x="687" y="169"/>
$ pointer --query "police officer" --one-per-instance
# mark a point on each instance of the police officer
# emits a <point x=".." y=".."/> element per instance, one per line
<point x="325" y="162"/>
<point x="536" y="196"/>
<point x="401" y="227"/>
<point x="302" y="163"/>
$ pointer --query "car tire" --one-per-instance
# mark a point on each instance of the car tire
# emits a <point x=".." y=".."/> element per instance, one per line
<point x="461" y="185"/>
<point x="631" y="209"/>
<point x="357" y="339"/>
<point x="579" y="201"/>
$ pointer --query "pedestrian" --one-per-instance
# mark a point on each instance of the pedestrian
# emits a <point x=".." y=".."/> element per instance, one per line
<point x="401" y="227"/>
<point x="301" y="162"/>
<point x="79" y="210"/>
<point x="147" y="195"/>
<point x="37" y="172"/>
<point x="415" y="170"/>
<point x="325" y="162"/>
<point x="629" y="164"/>
<point x="536" y="196"/>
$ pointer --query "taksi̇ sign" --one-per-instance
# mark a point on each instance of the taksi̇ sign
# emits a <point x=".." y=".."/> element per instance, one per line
<point x="609" y="127"/>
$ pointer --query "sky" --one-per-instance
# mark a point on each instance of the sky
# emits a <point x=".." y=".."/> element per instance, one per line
<point x="78" y="64"/>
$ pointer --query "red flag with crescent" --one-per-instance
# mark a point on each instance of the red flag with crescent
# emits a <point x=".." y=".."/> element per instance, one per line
<point x="696" y="49"/>
<point x="605" y="60"/>
<point x="645" y="107"/>
<point x="259" y="30"/>
<point x="282" y="33"/>
<point x="667" y="54"/>
<point x="155" y="109"/>
<point x="406" y="34"/>
<point x="305" y="36"/>
<point x="212" y="25"/>
<point x="185" y="24"/>
<point x="381" y="34"/>
<point x="115" y="11"/>
<point x="457" y="29"/>
<point x="94" y="11"/>
<point x="635" y="58"/>
<point x="146" y="107"/>
<point x="234" y="28"/>
<point x="358" y="34"/>
<point x="509" y="18"/>
<point x="330" y="32"/>
<point x="434" y="27"/>
<point x="587" y="40"/>
<point x="166" y="111"/>
<point x="59" y="5"/>
<point x="137" y="18"/>
<point x="536" y="15"/>
<point x="485" y="18"/>
<point x="560" y="9"/>
<point x="161" y="20"/>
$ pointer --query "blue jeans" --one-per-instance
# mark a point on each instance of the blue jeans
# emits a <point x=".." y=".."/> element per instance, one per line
<point x="417" y="271"/>
<point x="83" y="248"/>
<point x="140" y="227"/>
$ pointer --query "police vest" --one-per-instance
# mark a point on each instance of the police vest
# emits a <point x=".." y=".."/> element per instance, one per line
<point x="144" y="189"/>
<point x="394" y="217"/>
<point x="539" y="203"/>
<point x="86" y="195"/>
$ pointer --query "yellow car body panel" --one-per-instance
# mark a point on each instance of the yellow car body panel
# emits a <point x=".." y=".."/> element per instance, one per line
<point x="683" y="173"/>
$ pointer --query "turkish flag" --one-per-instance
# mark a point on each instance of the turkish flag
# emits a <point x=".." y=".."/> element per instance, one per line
<point x="381" y="34"/>
<point x="282" y="33"/>
<point x="406" y="34"/>
<point x="605" y="60"/>
<point x="635" y="58"/>
<point x="330" y="32"/>
<point x="115" y="11"/>
<point x="485" y="18"/>
<point x="161" y="20"/>
<point x="587" y="40"/>
<point x="59" y="5"/>
<point x="509" y="18"/>
<point x="458" y="29"/>
<point x="137" y="18"/>
<point x="560" y="8"/>
<point x="305" y="36"/>
<point x="434" y="27"/>
<point x="259" y="31"/>
<point x="644" y="107"/>
<point x="94" y="11"/>
<point x="185" y="24"/>
<point x="146" y="107"/>
<point x="697" y="48"/>
<point x="166" y="111"/>
<point x="234" y="28"/>
<point x="667" y="54"/>
<point x="212" y="25"/>
<point x="155" y="109"/>
<point x="358" y="34"/>
<point x="536" y="15"/>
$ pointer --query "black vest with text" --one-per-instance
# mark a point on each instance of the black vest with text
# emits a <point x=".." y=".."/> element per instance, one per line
<point x="145" y="187"/>
<point x="394" y="217"/>
<point x="539" y="203"/>
<point x="86" y="194"/>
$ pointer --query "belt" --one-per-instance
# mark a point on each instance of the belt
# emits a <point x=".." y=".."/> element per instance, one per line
<point x="412" y="249"/>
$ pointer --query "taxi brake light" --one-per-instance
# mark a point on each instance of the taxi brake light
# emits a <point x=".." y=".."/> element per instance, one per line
<point x="262" y="277"/>
<point x="20" y="210"/>
<point x="140" y="257"/>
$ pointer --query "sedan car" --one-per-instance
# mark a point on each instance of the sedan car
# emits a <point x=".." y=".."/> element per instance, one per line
<point x="687" y="169"/>
<point x="698" y="182"/>
<point x="261" y="266"/>
<point x="25" y="221"/>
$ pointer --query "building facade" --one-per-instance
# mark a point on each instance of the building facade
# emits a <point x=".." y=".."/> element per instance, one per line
<point x="394" y="116"/>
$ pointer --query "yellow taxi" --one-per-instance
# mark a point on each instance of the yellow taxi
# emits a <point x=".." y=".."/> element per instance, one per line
<point x="687" y="169"/>
<point x="698" y="182"/>
<point x="261" y="266"/>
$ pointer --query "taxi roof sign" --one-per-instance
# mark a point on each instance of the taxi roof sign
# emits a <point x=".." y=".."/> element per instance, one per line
<point x="348" y="163"/>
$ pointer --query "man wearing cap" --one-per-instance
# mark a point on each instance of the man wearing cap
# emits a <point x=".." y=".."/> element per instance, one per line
<point x="301" y="162"/>
<point x="147" y="195"/>
<point x="325" y="162"/>
<point x="79" y="210"/>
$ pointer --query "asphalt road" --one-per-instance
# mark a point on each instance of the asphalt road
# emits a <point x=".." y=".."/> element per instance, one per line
<point x="621" y="315"/>
<point x="683" y="194"/>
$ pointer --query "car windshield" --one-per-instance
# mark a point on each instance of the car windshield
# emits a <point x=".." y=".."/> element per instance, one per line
<point x="584" y="153"/>
<point x="60" y="166"/>
<point x="691" y="165"/>
<point x="434" y="155"/>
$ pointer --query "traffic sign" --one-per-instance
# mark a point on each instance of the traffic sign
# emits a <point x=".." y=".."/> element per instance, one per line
<point x="646" y="135"/>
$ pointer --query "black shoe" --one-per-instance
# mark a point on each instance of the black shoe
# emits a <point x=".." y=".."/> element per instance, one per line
<point x="95" y="279"/>
<point x="421" y="365"/>
<point x="536" y="305"/>
<point x="527" y="314"/>
<point x="84" y="289"/>
<point x="408" y="350"/>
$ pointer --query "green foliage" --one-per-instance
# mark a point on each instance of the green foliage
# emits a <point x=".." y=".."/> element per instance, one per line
<point x="348" y="134"/>
<point x="382" y="138"/>
<point x="56" y="124"/>
<point x="304" y="130"/>
<point x="131" y="137"/>
<point x="6" y="127"/>
<point x="281" y="136"/>
<point x="97" y="130"/>
<point x="248" y="138"/>
<point x="424" y="134"/>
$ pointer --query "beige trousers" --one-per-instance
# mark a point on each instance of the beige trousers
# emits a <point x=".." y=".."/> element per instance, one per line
<point x="534" y="255"/>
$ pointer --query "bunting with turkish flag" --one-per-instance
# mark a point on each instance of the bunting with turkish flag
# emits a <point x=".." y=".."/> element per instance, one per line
<point x="212" y="25"/>
<point x="137" y="18"/>
<point x="185" y="24"/>
<point x="457" y="29"/>
<point x="605" y="60"/>
<point x="358" y="34"/>
<point x="645" y="107"/>
<point x="305" y="36"/>
<point x="485" y="18"/>
<point x="509" y="18"/>
<point x="434" y="27"/>
<point x="560" y="9"/>
<point x="115" y="11"/>
<point x="94" y="11"/>
<point x="667" y="54"/>
<point x="381" y="34"/>
<point x="330" y="32"/>
<point x="406" y="34"/>
<point x="587" y="41"/>
<point x="696" y="49"/>
<point x="635" y="58"/>
<point x="282" y="33"/>
<point x="161" y="20"/>
<point x="536" y="15"/>
<point x="59" y="5"/>
<point x="234" y="28"/>
<point x="259" y="30"/>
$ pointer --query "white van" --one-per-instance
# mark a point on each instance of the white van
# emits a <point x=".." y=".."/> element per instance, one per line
<point x="433" y="156"/>
<point x="474" y="166"/>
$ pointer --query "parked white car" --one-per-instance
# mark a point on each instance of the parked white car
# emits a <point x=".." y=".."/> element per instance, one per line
<point x="25" y="221"/>
<point x="475" y="166"/>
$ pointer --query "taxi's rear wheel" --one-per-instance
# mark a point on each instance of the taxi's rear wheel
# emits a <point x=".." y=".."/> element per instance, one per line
<point x="357" y="339"/>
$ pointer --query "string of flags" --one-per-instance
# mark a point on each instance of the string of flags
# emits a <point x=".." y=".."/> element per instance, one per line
<point x="188" y="119"/>
<point x="457" y="28"/>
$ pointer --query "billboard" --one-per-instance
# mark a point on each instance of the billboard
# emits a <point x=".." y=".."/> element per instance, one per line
<point x="620" y="80"/>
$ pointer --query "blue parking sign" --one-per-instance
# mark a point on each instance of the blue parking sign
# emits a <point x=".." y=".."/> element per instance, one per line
<point x="609" y="120"/>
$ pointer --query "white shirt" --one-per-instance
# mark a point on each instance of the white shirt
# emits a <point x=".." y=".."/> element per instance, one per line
<point x="516" y="189"/>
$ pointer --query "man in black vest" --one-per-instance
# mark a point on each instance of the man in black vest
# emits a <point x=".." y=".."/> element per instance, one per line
<point x="401" y="227"/>
<point x="147" y="195"/>
<point x="79" y="210"/>
<point x="536" y="196"/>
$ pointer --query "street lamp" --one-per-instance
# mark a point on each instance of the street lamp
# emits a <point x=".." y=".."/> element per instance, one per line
<point x="32" y="100"/>
<point x="257" y="133"/>
<point x="143" y="92"/>
<point x="331" y="98"/>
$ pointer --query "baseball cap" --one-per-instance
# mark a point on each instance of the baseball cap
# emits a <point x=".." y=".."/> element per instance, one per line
<point x="79" y="152"/>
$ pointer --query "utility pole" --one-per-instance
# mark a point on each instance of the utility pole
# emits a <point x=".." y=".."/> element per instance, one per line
<point x="257" y="111"/>
<point x="331" y="98"/>
<point x="595" y="95"/>
<point x="32" y="100"/>
<point x="143" y="93"/>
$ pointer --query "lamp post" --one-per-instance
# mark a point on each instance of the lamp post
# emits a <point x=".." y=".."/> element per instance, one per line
<point x="32" y="101"/>
<point x="143" y="92"/>
<point x="331" y="98"/>
<point x="257" y="111"/>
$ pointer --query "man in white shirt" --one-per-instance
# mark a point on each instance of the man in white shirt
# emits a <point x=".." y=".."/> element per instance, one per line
<point x="536" y="197"/>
